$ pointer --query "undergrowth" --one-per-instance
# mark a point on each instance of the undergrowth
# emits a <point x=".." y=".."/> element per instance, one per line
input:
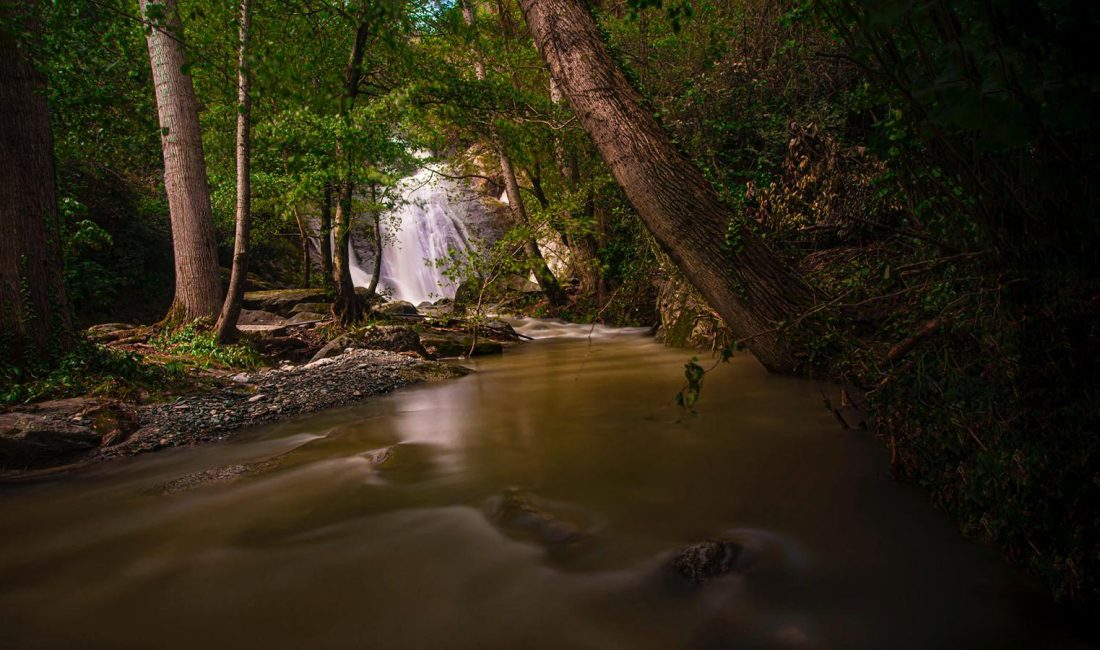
<point x="197" y="344"/>
<point x="87" y="369"/>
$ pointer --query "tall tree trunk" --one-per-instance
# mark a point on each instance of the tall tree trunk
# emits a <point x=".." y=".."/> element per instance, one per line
<point x="545" y="278"/>
<point x="751" y="288"/>
<point x="198" y="287"/>
<point x="326" y="235"/>
<point x="34" y="314"/>
<point x="347" y="306"/>
<point x="376" y="218"/>
<point x="231" y="308"/>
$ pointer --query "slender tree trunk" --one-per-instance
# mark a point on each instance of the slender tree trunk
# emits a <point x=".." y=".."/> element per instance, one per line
<point x="545" y="278"/>
<point x="231" y="308"/>
<point x="198" y="287"/>
<point x="751" y="288"/>
<point x="585" y="250"/>
<point x="347" y="306"/>
<point x="34" y="314"/>
<point x="303" y="244"/>
<point x="376" y="217"/>
<point x="326" y="235"/>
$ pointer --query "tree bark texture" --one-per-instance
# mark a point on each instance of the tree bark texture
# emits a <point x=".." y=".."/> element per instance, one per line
<point x="346" y="306"/>
<point x="34" y="314"/>
<point x="231" y="308"/>
<point x="749" y="286"/>
<point x="198" y="287"/>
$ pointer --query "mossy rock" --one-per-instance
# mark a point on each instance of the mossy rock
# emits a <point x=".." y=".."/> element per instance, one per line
<point x="445" y="344"/>
<point x="282" y="301"/>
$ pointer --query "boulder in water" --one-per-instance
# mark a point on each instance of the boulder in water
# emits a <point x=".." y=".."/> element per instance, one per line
<point x="705" y="561"/>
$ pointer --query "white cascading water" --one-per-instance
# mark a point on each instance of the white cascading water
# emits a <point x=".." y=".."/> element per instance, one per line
<point x="431" y="224"/>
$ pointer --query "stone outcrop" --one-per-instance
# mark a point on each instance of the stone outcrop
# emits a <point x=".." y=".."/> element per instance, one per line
<point x="392" y="338"/>
<point x="686" y="319"/>
<point x="61" y="431"/>
<point x="281" y="301"/>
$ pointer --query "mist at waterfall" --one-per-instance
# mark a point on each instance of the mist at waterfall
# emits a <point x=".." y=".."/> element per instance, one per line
<point x="417" y="236"/>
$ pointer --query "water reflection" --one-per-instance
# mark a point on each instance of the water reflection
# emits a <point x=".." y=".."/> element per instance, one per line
<point x="532" y="504"/>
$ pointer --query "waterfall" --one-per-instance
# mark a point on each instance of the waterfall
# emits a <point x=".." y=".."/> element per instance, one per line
<point x="417" y="235"/>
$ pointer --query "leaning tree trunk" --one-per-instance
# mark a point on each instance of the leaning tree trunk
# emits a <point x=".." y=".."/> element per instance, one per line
<point x="34" y="314"/>
<point x="545" y="278"/>
<point x="231" y="309"/>
<point x="751" y="288"/>
<point x="346" y="306"/>
<point x="198" y="287"/>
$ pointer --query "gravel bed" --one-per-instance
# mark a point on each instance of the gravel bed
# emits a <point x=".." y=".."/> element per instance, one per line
<point x="274" y="394"/>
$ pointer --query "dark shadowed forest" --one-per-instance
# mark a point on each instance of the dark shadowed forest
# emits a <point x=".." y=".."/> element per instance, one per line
<point x="518" y="302"/>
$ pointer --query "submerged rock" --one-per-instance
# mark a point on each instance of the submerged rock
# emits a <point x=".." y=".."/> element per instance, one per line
<point x="218" y="475"/>
<point x="519" y="513"/>
<point x="704" y="561"/>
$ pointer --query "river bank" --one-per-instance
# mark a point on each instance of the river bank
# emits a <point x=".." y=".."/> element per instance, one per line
<point x="60" y="434"/>
<point x="296" y="361"/>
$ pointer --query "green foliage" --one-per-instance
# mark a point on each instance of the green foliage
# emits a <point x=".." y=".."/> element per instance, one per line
<point x="198" y="344"/>
<point x="87" y="369"/>
<point x="693" y="376"/>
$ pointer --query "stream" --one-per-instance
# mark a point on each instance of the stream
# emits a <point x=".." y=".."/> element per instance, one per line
<point x="380" y="525"/>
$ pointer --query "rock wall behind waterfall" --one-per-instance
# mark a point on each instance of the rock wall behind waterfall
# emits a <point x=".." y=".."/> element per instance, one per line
<point x="439" y="214"/>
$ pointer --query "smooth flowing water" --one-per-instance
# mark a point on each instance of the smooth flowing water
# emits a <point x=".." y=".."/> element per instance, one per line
<point x="330" y="545"/>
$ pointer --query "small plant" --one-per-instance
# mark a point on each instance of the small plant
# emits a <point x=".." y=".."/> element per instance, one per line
<point x="199" y="342"/>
